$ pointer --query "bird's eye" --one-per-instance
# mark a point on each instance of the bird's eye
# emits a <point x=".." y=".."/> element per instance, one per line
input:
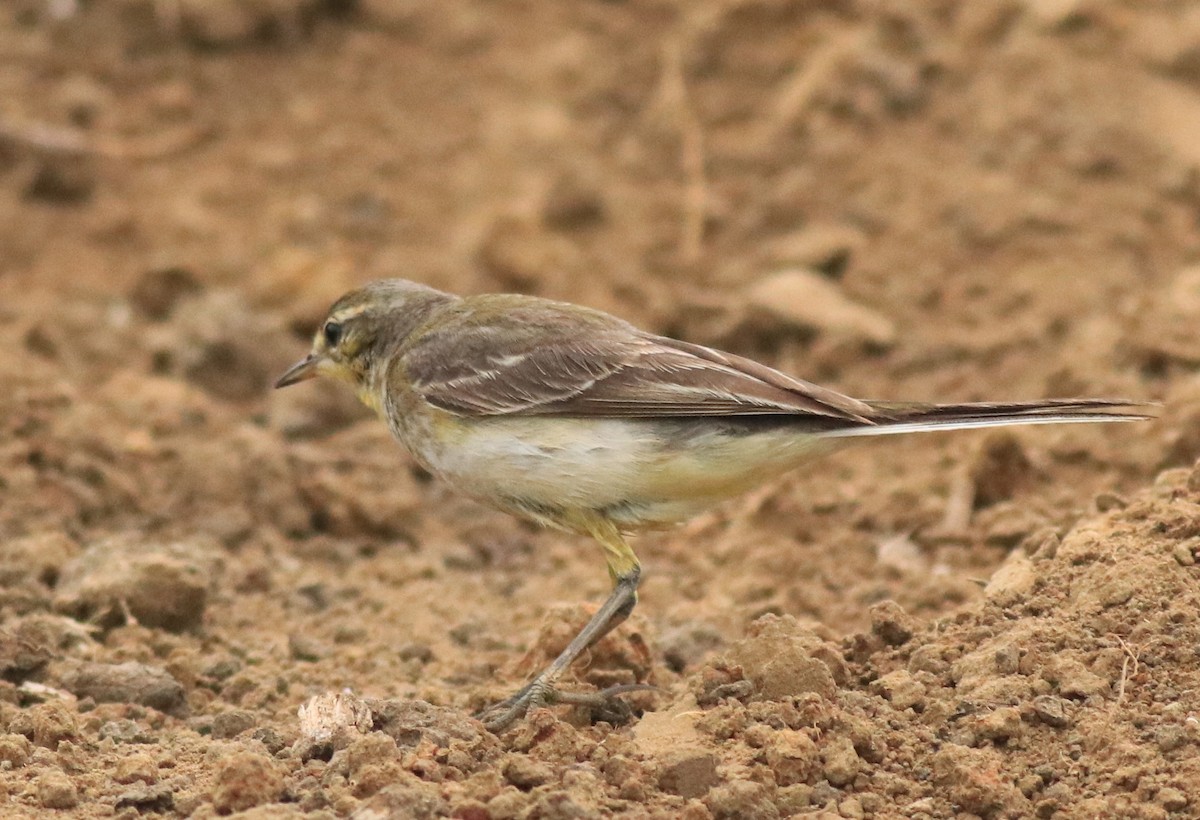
<point x="333" y="333"/>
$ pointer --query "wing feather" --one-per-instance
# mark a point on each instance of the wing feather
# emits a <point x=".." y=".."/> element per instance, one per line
<point x="536" y="357"/>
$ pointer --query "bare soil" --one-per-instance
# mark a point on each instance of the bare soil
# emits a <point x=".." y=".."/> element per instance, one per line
<point x="942" y="200"/>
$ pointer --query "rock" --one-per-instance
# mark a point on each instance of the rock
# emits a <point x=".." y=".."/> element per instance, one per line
<point x="410" y="722"/>
<point x="301" y="282"/>
<point x="146" y="799"/>
<point x="824" y="247"/>
<point x="128" y="682"/>
<point x="46" y="724"/>
<point x="245" y="780"/>
<point x="971" y="778"/>
<point x="891" y="623"/>
<point x="526" y="773"/>
<point x="902" y="554"/>
<point x="902" y="689"/>
<point x="26" y="646"/>
<point x="806" y="300"/>
<point x="1051" y="711"/>
<point x="14" y="750"/>
<point x="161" y="585"/>
<point x="218" y="342"/>
<point x="998" y="725"/>
<point x="136" y="768"/>
<point x="231" y="724"/>
<point x="56" y="791"/>
<point x="35" y="558"/>
<point x="777" y="659"/>
<point x="1171" y="799"/>
<point x="1013" y="580"/>
<point x="999" y="468"/>
<point x="792" y="756"/>
<point x="841" y="762"/>
<point x="159" y="290"/>
<point x="1073" y="679"/>
<point x="741" y="798"/>
<point x="688" y="772"/>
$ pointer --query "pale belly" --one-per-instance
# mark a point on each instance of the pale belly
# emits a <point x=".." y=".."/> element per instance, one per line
<point x="635" y="472"/>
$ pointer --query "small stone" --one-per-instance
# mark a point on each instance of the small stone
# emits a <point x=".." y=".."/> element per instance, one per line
<point x="1013" y="580"/>
<point x="231" y="724"/>
<point x="136" y="768"/>
<point x="902" y="689"/>
<point x="415" y="652"/>
<point x="159" y="290"/>
<point x="526" y="773"/>
<point x="14" y="750"/>
<point x="741" y="798"/>
<point x="1171" y="799"/>
<point x="688" y="773"/>
<point x="852" y="808"/>
<point x="33" y="558"/>
<point x="792" y="756"/>
<point x="807" y="300"/>
<point x="777" y="659"/>
<point x="1185" y="553"/>
<point x="972" y="779"/>
<point x="246" y="780"/>
<point x="842" y="763"/>
<point x="1170" y="737"/>
<point x="891" y="623"/>
<point x="160" y="585"/>
<point x="128" y="682"/>
<point x="56" y="791"/>
<point x="1051" y="711"/>
<point x="148" y="799"/>
<point x="304" y="648"/>
<point x="999" y="469"/>
<point x="1073" y="679"/>
<point x="47" y="724"/>
<point x="998" y="725"/>
<point x="825" y="247"/>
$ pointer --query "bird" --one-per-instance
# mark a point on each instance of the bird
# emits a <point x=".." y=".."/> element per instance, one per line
<point x="575" y="419"/>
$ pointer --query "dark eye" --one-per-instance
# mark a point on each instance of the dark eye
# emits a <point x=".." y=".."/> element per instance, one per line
<point x="333" y="333"/>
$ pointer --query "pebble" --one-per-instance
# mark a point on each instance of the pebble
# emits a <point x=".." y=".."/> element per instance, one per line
<point x="56" y="791"/>
<point x="777" y="659"/>
<point x="245" y="780"/>
<point x="162" y="585"/>
<point x="891" y="623"/>
<point x="688" y="772"/>
<point x="841" y="762"/>
<point x="902" y="689"/>
<point x="129" y="682"/>
<point x="1051" y="711"/>
<point x="792" y="756"/>
<point x="806" y="300"/>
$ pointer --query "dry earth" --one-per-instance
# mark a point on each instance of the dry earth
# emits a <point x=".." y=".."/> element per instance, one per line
<point x="934" y="200"/>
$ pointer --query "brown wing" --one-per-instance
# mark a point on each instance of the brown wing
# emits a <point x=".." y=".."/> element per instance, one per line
<point x="519" y="356"/>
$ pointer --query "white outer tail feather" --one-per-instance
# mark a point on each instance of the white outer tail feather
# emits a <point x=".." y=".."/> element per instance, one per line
<point x="886" y="429"/>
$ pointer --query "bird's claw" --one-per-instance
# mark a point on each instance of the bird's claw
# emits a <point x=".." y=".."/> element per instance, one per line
<point x="606" y="704"/>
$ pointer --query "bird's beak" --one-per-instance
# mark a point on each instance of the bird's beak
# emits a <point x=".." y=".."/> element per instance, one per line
<point x="304" y="369"/>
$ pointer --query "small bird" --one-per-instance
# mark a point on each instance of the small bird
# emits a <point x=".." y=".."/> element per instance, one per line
<point x="578" y="420"/>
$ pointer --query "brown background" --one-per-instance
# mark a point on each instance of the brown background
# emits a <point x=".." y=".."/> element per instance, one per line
<point x="927" y="201"/>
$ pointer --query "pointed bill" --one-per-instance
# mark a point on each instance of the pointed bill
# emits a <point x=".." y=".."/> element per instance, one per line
<point x="304" y="369"/>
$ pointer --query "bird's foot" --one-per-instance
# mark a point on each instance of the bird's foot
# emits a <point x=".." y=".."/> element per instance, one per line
<point x="606" y="704"/>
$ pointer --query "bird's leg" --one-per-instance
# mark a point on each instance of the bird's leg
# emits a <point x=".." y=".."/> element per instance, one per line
<point x="625" y="570"/>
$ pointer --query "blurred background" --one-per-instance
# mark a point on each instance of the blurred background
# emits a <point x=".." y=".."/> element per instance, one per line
<point x="939" y="200"/>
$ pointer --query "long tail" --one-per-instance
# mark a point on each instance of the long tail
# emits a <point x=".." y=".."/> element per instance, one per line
<point x="900" y="417"/>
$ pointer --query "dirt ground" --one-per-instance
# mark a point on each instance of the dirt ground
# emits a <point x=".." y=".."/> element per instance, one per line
<point x="942" y="200"/>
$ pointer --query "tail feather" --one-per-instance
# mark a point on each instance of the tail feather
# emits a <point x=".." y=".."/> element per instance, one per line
<point x="899" y="417"/>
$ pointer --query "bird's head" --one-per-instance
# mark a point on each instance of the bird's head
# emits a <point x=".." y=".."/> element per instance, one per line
<point x="362" y="329"/>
